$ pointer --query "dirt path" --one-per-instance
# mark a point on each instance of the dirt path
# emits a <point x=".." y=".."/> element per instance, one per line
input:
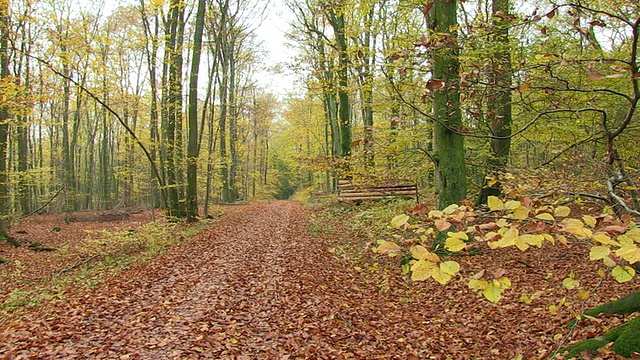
<point x="255" y="286"/>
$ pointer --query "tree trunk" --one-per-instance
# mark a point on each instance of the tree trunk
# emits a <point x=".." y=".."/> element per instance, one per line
<point x="4" y="116"/>
<point x="499" y="108"/>
<point x="344" y="107"/>
<point x="450" y="172"/>
<point x="625" y="337"/>
<point x="192" y="150"/>
<point x="154" y="132"/>
<point x="173" y="106"/>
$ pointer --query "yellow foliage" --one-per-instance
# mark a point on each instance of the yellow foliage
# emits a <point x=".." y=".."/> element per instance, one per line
<point x="623" y="273"/>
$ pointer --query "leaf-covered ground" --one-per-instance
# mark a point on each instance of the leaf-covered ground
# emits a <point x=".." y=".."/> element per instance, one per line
<point x="260" y="285"/>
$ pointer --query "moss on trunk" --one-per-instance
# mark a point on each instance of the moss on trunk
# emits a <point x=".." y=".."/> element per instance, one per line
<point x="625" y="338"/>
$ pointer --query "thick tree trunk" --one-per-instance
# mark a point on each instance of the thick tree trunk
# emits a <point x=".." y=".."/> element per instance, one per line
<point x="192" y="150"/>
<point x="450" y="172"/>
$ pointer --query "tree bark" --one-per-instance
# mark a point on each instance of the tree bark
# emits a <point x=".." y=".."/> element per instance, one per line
<point x="499" y="108"/>
<point x="4" y="116"/>
<point x="450" y="172"/>
<point x="192" y="150"/>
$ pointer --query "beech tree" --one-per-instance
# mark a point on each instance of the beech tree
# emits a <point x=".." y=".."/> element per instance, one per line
<point x="448" y="142"/>
<point x="193" y="148"/>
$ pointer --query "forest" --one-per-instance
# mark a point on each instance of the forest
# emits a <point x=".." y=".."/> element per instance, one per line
<point x="515" y="121"/>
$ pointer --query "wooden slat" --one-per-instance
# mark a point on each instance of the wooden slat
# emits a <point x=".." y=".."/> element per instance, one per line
<point x="349" y="192"/>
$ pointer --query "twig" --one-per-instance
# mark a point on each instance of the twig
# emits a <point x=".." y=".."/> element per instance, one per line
<point x="572" y="328"/>
<point x="45" y="204"/>
<point x="76" y="265"/>
<point x="618" y="179"/>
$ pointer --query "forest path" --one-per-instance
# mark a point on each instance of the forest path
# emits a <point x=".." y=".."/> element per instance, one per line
<point x="255" y="286"/>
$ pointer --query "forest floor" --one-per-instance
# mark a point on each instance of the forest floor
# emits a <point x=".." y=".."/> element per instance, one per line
<point x="258" y="284"/>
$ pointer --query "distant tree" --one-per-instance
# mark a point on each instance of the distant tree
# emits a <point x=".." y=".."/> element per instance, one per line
<point x="4" y="117"/>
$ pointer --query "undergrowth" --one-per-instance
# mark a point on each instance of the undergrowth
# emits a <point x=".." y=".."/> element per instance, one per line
<point x="107" y="253"/>
<point x="356" y="229"/>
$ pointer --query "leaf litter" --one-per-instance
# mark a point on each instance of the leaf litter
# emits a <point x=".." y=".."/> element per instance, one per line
<point x="258" y="285"/>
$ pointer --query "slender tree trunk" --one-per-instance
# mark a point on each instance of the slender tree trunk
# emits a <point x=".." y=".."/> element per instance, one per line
<point x="173" y="106"/>
<point x="344" y="106"/>
<point x="67" y="158"/>
<point x="450" y="172"/>
<point x="233" y="122"/>
<point x="366" y="81"/>
<point x="154" y="132"/>
<point x="4" y="116"/>
<point x="226" y="53"/>
<point x="499" y="107"/>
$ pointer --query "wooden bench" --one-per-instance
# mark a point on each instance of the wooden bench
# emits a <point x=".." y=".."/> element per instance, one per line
<point x="347" y="191"/>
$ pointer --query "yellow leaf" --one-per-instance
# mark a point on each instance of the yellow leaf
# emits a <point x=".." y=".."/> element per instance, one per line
<point x="477" y="284"/>
<point x="535" y="240"/>
<point x="520" y="213"/>
<point x="553" y="309"/>
<point x="589" y="220"/>
<point x="450" y="267"/>
<point x="388" y="247"/>
<point x="583" y="294"/>
<point x="495" y="204"/>
<point x="609" y="262"/>
<point x="509" y="238"/>
<point x="454" y="244"/>
<point x="599" y="252"/>
<point x="435" y="214"/>
<point x="422" y="270"/>
<point x="520" y="243"/>
<point x="419" y="252"/>
<point x="562" y="239"/>
<point x="512" y="205"/>
<point x="493" y="293"/>
<point x="545" y="216"/>
<point x="625" y="240"/>
<point x="562" y="211"/>
<point x="450" y="209"/>
<point x="458" y="235"/>
<point x="623" y="273"/>
<point x="629" y="252"/>
<point x="601" y="273"/>
<point x="634" y="234"/>
<point x="571" y="283"/>
<point x="440" y="276"/>
<point x="525" y="299"/>
<point x="399" y="221"/>
<point x="575" y="227"/>
<point x="493" y="245"/>
<point x="604" y="239"/>
<point x="549" y="238"/>
<point x="504" y="282"/>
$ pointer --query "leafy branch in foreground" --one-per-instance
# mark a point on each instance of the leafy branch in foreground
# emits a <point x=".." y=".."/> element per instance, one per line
<point x="523" y="224"/>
